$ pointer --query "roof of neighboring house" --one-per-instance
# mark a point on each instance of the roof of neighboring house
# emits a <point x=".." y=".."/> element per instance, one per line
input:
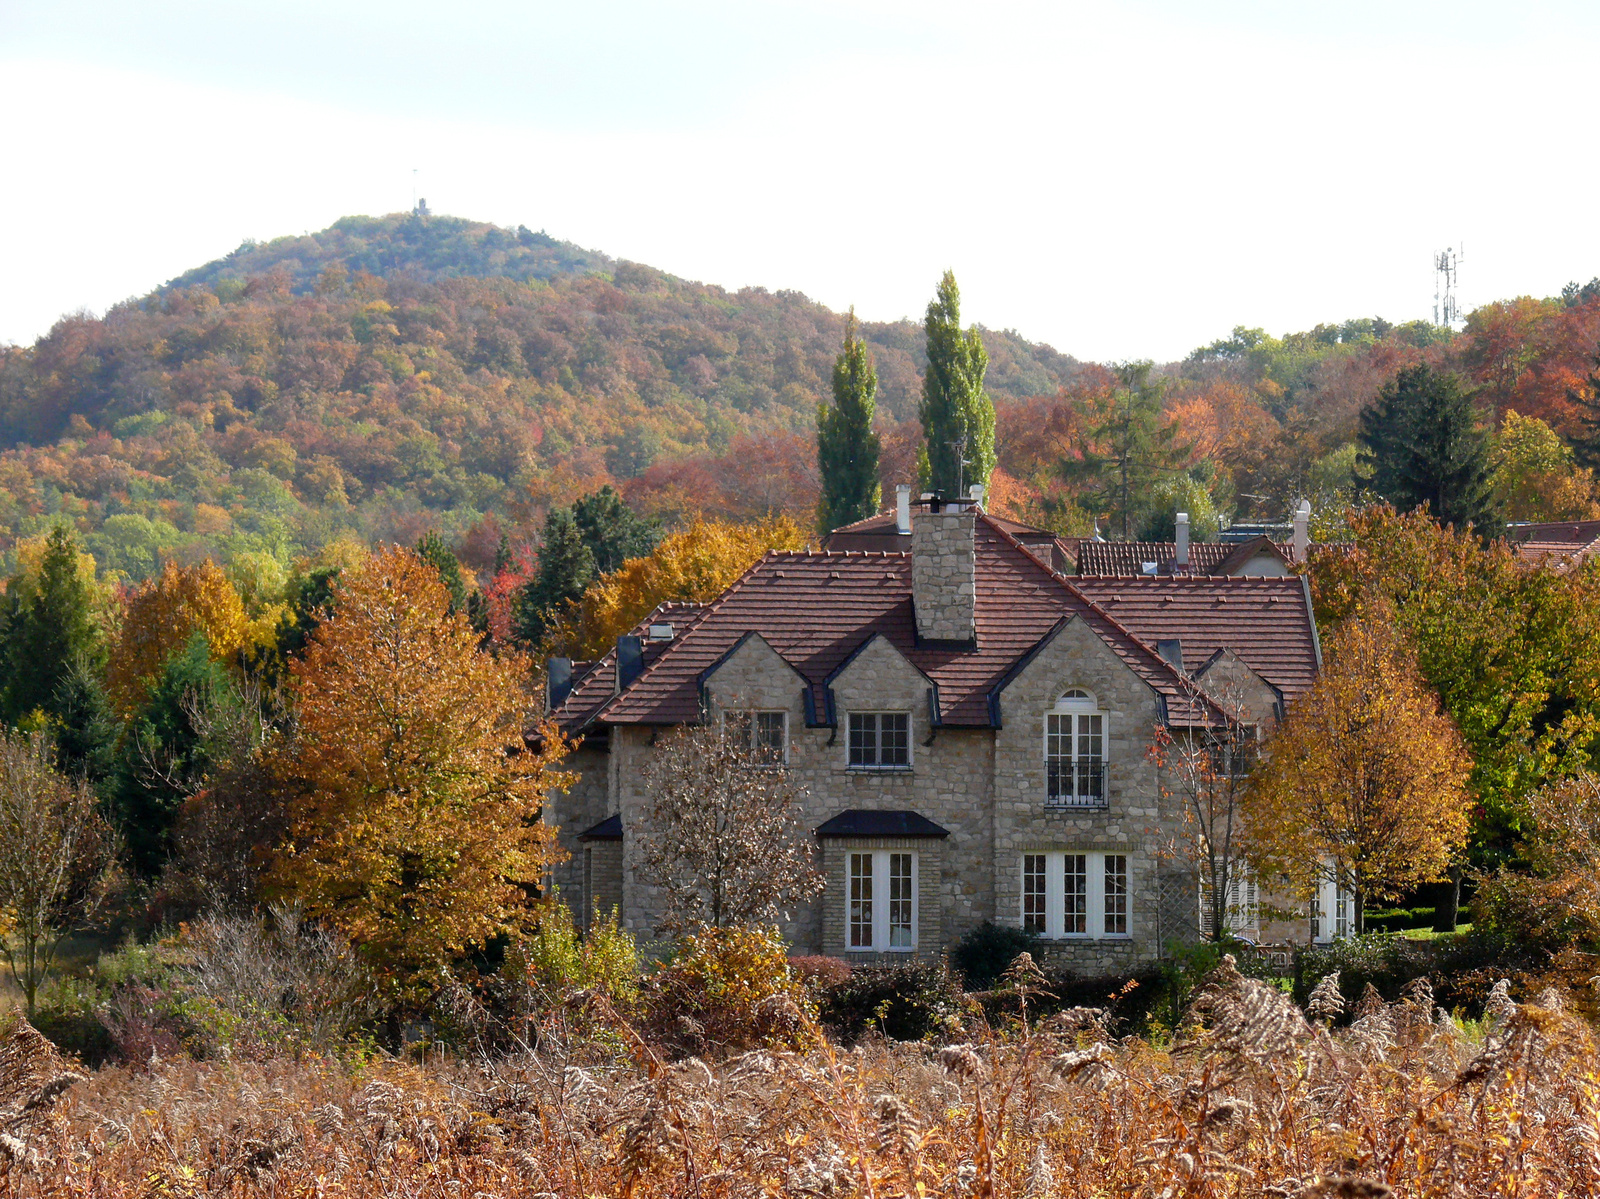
<point x="1561" y="554"/>
<point x="1267" y="622"/>
<point x="1127" y="558"/>
<point x="816" y="609"/>
<point x="1561" y="531"/>
<point x="858" y="822"/>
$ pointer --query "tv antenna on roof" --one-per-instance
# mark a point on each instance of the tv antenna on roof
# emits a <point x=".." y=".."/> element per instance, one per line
<point x="1446" y="264"/>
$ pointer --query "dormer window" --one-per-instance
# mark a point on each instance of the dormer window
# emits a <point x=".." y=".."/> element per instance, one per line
<point x="1075" y="752"/>
<point x="880" y="741"/>
<point x="762" y="735"/>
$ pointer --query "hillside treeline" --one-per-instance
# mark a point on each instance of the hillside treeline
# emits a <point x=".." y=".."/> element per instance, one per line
<point x="270" y="413"/>
<point x="393" y="375"/>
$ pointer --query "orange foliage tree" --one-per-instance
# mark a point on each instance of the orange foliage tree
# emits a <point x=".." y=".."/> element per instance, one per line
<point x="159" y="618"/>
<point x="1365" y="779"/>
<point x="414" y="807"/>
<point x="696" y="564"/>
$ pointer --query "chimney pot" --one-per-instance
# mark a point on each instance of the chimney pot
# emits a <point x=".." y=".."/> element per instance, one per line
<point x="1180" y="557"/>
<point x="975" y="492"/>
<point x="1302" y="531"/>
<point x="902" y="509"/>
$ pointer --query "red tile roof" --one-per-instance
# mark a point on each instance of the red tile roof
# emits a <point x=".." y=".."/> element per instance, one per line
<point x="1559" y="554"/>
<point x="1267" y="622"/>
<point x="879" y="533"/>
<point x="815" y="609"/>
<point x="1568" y="531"/>
<point x="1128" y="558"/>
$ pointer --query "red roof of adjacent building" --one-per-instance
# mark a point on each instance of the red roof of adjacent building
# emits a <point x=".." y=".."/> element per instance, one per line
<point x="816" y="609"/>
<point x="1267" y="622"/>
<point x="1128" y="558"/>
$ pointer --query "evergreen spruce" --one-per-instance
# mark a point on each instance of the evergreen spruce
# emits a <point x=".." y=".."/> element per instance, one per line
<point x="612" y="531"/>
<point x="1128" y="455"/>
<point x="957" y="414"/>
<point x="1586" y="399"/>
<point x="847" y="446"/>
<point x="47" y="625"/>
<point x="566" y="568"/>
<point x="432" y="550"/>
<point x="1422" y="443"/>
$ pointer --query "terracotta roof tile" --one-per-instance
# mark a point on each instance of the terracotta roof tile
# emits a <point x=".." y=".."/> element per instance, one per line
<point x="1267" y="622"/>
<point x="815" y="609"/>
<point x="1128" y="558"/>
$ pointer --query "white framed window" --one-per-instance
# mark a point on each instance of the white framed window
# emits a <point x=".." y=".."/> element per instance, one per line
<point x="881" y="900"/>
<point x="1069" y="894"/>
<point x="879" y="740"/>
<point x="763" y="735"/>
<point x="1332" y="915"/>
<point x="1075" y="752"/>
<point x="1241" y="915"/>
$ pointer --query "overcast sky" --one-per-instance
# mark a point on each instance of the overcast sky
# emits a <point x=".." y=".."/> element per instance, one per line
<point x="1119" y="180"/>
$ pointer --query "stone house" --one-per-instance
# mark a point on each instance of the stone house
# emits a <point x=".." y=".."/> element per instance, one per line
<point x="971" y="726"/>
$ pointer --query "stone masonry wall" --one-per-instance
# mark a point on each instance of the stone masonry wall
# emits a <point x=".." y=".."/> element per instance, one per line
<point x="581" y="807"/>
<point x="943" y="579"/>
<point x="1134" y="821"/>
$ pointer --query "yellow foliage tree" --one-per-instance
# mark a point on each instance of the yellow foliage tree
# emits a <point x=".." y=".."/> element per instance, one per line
<point x="160" y="617"/>
<point x="695" y="564"/>
<point x="1536" y="476"/>
<point x="413" y="806"/>
<point x="1365" y="779"/>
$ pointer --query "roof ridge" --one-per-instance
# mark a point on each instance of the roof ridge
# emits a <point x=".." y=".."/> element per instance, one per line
<point x="1150" y="651"/>
<point x="705" y="610"/>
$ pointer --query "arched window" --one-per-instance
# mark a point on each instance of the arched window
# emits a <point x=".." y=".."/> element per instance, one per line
<point x="1075" y="751"/>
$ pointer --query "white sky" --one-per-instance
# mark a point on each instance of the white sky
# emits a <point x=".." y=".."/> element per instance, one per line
<point x="1118" y="179"/>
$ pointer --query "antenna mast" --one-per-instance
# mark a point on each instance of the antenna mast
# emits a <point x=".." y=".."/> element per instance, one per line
<point x="1446" y="265"/>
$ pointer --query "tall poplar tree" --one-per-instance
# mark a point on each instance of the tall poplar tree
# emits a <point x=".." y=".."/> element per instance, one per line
<point x="957" y="414"/>
<point x="1422" y="443"/>
<point x="847" y="446"/>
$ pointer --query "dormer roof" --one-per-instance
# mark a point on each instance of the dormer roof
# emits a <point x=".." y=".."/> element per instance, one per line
<point x="817" y="608"/>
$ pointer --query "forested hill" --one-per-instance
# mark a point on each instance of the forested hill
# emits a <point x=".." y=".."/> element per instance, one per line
<point x="427" y="249"/>
<point x="392" y="374"/>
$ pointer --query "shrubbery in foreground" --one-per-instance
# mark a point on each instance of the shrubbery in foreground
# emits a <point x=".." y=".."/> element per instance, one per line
<point x="1248" y="1098"/>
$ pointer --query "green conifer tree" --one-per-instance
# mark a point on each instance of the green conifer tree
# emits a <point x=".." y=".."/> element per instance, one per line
<point x="432" y="550"/>
<point x="957" y="414"/>
<point x="1586" y="399"/>
<point x="847" y="445"/>
<point x="566" y="568"/>
<point x="47" y="625"/>
<point x="1128" y="454"/>
<point x="612" y="531"/>
<point x="1422" y="443"/>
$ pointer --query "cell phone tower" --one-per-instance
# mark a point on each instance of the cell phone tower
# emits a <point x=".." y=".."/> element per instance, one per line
<point x="1446" y="265"/>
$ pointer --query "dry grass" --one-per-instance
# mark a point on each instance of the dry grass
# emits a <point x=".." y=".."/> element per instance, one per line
<point x="1248" y="1100"/>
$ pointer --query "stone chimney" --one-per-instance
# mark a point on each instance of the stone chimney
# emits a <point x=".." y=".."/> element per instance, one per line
<point x="1180" y="555"/>
<point x="943" y="573"/>
<point x="1302" y="531"/>
<point x="902" y="509"/>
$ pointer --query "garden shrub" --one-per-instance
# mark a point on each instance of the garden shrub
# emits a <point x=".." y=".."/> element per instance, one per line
<point x="1461" y="969"/>
<point x="915" y="1001"/>
<point x="983" y="954"/>
<point x="727" y="990"/>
